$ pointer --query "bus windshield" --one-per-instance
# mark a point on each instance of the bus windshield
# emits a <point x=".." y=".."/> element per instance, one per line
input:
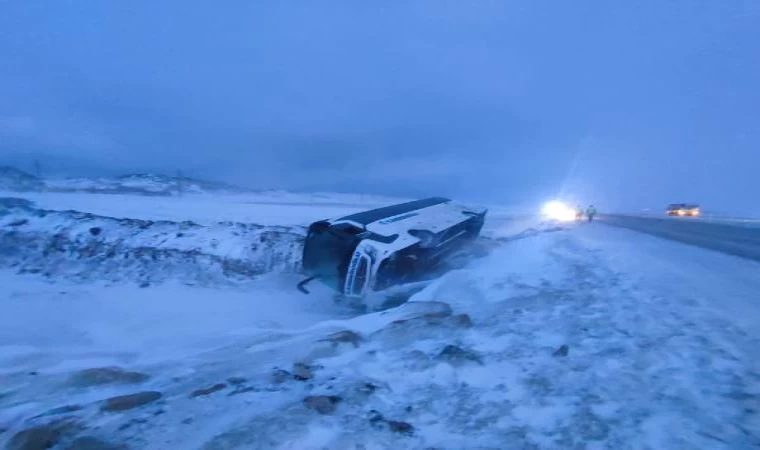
<point x="326" y="255"/>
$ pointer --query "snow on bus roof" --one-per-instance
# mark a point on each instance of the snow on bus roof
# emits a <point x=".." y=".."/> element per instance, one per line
<point x="374" y="215"/>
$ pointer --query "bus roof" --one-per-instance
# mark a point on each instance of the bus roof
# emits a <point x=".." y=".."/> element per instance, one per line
<point x="374" y="215"/>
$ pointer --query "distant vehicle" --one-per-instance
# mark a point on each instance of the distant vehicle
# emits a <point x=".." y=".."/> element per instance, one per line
<point x="683" y="209"/>
<point x="380" y="248"/>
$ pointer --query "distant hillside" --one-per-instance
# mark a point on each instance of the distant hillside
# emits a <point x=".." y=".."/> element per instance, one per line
<point x="146" y="184"/>
<point x="12" y="179"/>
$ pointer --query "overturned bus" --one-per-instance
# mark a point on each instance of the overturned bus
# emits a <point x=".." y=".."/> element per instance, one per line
<point x="380" y="248"/>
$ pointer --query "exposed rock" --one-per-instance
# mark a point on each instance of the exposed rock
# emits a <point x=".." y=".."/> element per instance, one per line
<point x="400" y="323"/>
<point x="323" y="404"/>
<point x="126" y="402"/>
<point x="188" y="421"/>
<point x="41" y="437"/>
<point x="208" y="390"/>
<point x="131" y="423"/>
<point x="345" y="337"/>
<point x="236" y="381"/>
<point x="424" y="314"/>
<point x="280" y="376"/>
<point x="93" y="443"/>
<point x="376" y="419"/>
<point x="562" y="351"/>
<point x="18" y="223"/>
<point x="458" y="355"/>
<point x="95" y="231"/>
<point x="302" y="371"/>
<point x="106" y="375"/>
<point x="242" y="390"/>
<point x="35" y="438"/>
<point x="400" y="427"/>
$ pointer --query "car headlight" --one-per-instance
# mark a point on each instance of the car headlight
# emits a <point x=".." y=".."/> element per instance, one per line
<point x="558" y="211"/>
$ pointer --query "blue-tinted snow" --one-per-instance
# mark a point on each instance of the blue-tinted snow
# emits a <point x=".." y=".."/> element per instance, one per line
<point x="662" y="352"/>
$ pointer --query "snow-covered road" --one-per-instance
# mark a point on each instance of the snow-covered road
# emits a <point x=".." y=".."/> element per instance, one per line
<point x="587" y="337"/>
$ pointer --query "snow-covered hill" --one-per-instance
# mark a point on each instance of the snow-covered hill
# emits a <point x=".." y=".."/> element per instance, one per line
<point x="157" y="185"/>
<point x="146" y="184"/>
<point x="12" y="179"/>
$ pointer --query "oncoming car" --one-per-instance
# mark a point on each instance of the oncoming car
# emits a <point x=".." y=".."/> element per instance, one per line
<point x="683" y="209"/>
<point x="380" y="248"/>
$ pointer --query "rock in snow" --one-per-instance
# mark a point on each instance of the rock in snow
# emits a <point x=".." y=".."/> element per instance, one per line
<point x="208" y="390"/>
<point x="302" y="371"/>
<point x="35" y="438"/>
<point x="106" y="375"/>
<point x="323" y="404"/>
<point x="457" y="355"/>
<point x="400" y="427"/>
<point x="130" y="401"/>
<point x="345" y="336"/>
<point x="42" y="437"/>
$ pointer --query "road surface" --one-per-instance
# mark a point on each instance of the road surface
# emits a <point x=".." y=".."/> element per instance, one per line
<point x="738" y="239"/>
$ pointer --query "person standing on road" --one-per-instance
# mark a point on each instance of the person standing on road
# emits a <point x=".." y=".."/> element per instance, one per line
<point x="579" y="213"/>
<point x="591" y="212"/>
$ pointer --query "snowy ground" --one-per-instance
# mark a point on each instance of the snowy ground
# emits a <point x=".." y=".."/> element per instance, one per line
<point x="583" y="337"/>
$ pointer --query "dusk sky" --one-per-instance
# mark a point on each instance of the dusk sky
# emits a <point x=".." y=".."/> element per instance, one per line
<point x="621" y="104"/>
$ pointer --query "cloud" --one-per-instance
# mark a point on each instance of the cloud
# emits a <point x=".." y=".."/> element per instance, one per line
<point x="493" y="99"/>
<point x="58" y="138"/>
<point x="16" y="126"/>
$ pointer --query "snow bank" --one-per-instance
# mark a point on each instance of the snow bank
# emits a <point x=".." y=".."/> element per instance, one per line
<point x="85" y="246"/>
